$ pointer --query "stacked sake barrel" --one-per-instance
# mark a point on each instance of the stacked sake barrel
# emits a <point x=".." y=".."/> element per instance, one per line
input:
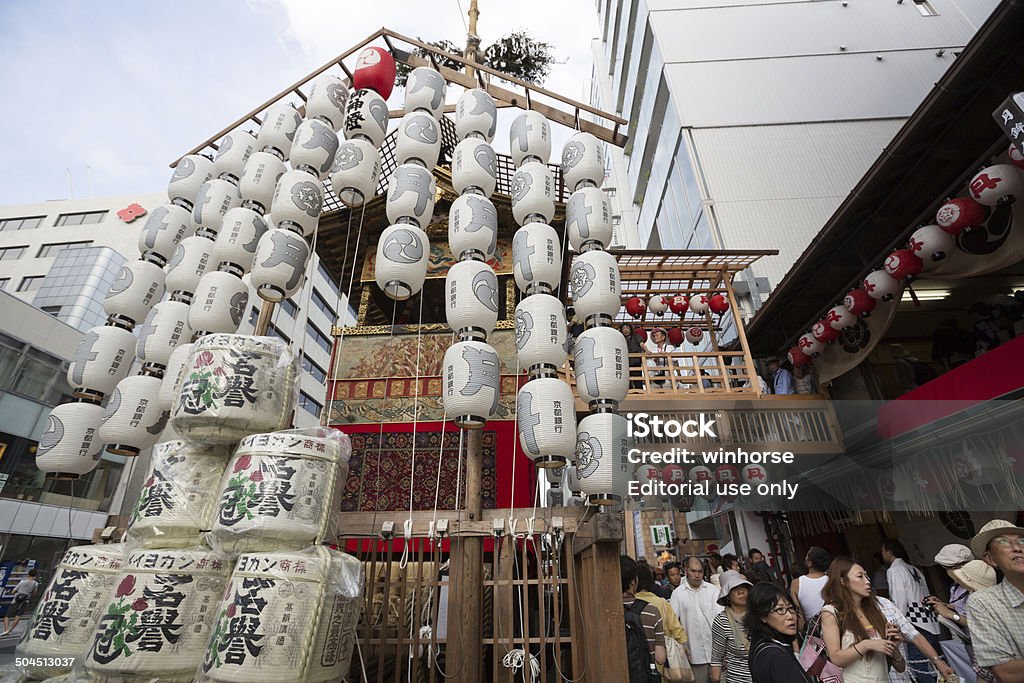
<point x="545" y="408"/>
<point x="600" y="355"/>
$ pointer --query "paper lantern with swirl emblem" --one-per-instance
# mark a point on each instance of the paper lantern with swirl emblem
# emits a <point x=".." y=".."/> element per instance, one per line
<point x="859" y="302"/>
<point x="189" y="175"/>
<point x="232" y="153"/>
<point x="582" y="161"/>
<point x="588" y="219"/>
<point x="903" y="264"/>
<point x="173" y="373"/>
<point x="237" y="240"/>
<point x="809" y="345"/>
<point x="931" y="242"/>
<point x="166" y="226"/>
<point x="411" y="195"/>
<point x="602" y="442"/>
<point x="135" y="416"/>
<point x="474" y="167"/>
<point x="425" y="91"/>
<point x="996" y="184"/>
<point x="880" y="285"/>
<point x="418" y="140"/>
<point x="190" y="261"/>
<point x="213" y="200"/>
<point x="139" y="285"/>
<point x="327" y="101"/>
<point x="278" y="129"/>
<point x="596" y="286"/>
<point x="546" y="421"/>
<point x="279" y="264"/>
<point x="298" y="200"/>
<point x="536" y="258"/>
<point x="476" y="114"/>
<point x="220" y="302"/>
<point x="102" y="359"/>
<point x="473" y="227"/>
<point x="824" y="332"/>
<point x="530" y="138"/>
<point x="797" y="357"/>
<point x="471" y="306"/>
<point x="471" y="383"/>
<point x="375" y="69"/>
<point x="657" y="305"/>
<point x="699" y="304"/>
<point x="840" y="317"/>
<point x="541" y="335"/>
<point x="533" y="193"/>
<point x="70" y="444"/>
<point x="694" y="335"/>
<point x="256" y="186"/>
<point x="315" y="148"/>
<point x="366" y="117"/>
<point x="356" y="172"/>
<point x="403" y="252"/>
<point x="601" y="363"/>
<point x="959" y="214"/>
<point x="166" y="328"/>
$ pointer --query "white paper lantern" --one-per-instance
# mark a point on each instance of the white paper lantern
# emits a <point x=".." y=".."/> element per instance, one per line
<point x="219" y="303"/>
<point x="582" y="160"/>
<point x="234" y="385"/>
<point x="932" y="242"/>
<point x="996" y="184"/>
<point x="278" y="129"/>
<point x="403" y="253"/>
<point x="699" y="304"/>
<point x="213" y="200"/>
<point x="601" y="362"/>
<point x="411" y="194"/>
<point x="476" y="114"/>
<point x="190" y="261"/>
<point x="298" y="201"/>
<point x="166" y="328"/>
<point x="138" y="286"/>
<point x="70" y="445"/>
<point x="839" y="318"/>
<point x="595" y="285"/>
<point x="533" y="193"/>
<point x="471" y="306"/>
<point x="279" y="265"/>
<point x="572" y="476"/>
<point x="471" y="383"/>
<point x="425" y="91"/>
<point x="232" y="154"/>
<point x="754" y="474"/>
<point x="546" y="421"/>
<point x="237" y="240"/>
<point x="810" y="346"/>
<point x="588" y="218"/>
<point x="602" y="443"/>
<point x="256" y="186"/>
<point x="134" y="416"/>
<point x="473" y="226"/>
<point x="356" y="172"/>
<point x="657" y="305"/>
<point x="103" y="359"/>
<point x="694" y="335"/>
<point x="165" y="227"/>
<point x="880" y="285"/>
<point x="173" y="374"/>
<point x="418" y="140"/>
<point x="327" y="101"/>
<point x="314" y="148"/>
<point x="189" y="175"/>
<point x="536" y="258"/>
<point x="474" y="167"/>
<point x="366" y="117"/>
<point x="555" y="476"/>
<point x="530" y="137"/>
<point x="541" y="334"/>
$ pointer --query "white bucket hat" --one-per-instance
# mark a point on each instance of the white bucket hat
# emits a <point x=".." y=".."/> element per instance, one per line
<point x="729" y="580"/>
<point x="975" y="575"/>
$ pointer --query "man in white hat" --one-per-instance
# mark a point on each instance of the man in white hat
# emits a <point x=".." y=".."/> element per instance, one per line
<point x="996" y="614"/>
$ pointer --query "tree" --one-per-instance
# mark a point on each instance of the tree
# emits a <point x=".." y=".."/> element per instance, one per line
<point x="516" y="54"/>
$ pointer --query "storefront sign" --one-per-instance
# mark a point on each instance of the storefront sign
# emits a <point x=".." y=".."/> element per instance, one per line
<point x="661" y="535"/>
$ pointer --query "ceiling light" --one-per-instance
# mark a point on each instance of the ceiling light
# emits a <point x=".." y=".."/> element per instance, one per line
<point x="927" y="294"/>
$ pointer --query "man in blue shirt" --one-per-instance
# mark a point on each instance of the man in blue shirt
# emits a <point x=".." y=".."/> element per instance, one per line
<point x="782" y="379"/>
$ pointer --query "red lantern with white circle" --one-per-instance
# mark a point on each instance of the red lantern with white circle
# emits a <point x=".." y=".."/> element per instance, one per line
<point x="679" y="304"/>
<point x="657" y="305"/>
<point x="675" y="336"/>
<point x="702" y="473"/>
<point x="1016" y="156"/>
<point x="798" y="358"/>
<point x="727" y="474"/>
<point x="694" y="335"/>
<point x="931" y="242"/>
<point x="375" y="69"/>
<point x="839" y="318"/>
<point x="996" y="184"/>
<point x="959" y="214"/>
<point x="810" y="346"/>
<point x="902" y="264"/>
<point x="755" y="474"/>
<point x="859" y="302"/>
<point x="673" y="474"/>
<point x="880" y="285"/>
<point x="718" y="304"/>
<point x="824" y="332"/>
<point x="699" y="303"/>
<point x="636" y="307"/>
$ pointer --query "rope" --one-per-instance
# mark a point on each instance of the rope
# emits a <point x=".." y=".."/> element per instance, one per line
<point x="380" y="434"/>
<point x="337" y="306"/>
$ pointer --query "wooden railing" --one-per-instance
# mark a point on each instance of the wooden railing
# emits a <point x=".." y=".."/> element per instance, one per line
<point x="659" y="375"/>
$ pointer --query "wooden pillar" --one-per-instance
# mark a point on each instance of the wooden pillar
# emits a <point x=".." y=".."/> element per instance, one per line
<point x="466" y="652"/>
<point x="741" y="333"/>
<point x="263" y="321"/>
<point x="597" y="561"/>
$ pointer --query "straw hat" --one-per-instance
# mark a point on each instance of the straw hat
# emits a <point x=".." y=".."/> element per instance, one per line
<point x="997" y="527"/>
<point x="729" y="580"/>
<point x="953" y="554"/>
<point x="974" y="575"/>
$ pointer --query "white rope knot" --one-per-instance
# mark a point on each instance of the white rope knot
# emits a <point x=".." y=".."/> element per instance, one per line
<point x="515" y="659"/>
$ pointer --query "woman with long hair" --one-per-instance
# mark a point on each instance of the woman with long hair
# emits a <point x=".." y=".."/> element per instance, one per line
<point x="771" y="622"/>
<point x="858" y="637"/>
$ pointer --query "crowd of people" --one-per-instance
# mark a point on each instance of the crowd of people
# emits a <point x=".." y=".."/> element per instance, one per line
<point x="733" y="620"/>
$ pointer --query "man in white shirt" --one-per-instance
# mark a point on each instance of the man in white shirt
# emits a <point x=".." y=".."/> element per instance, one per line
<point x="907" y="590"/>
<point x="695" y="602"/>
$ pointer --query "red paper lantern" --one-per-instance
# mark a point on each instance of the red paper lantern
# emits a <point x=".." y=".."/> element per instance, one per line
<point x="797" y="357"/>
<point x="824" y="332"/>
<point x="902" y="264"/>
<point x="673" y="474"/>
<point x="375" y="69"/>
<point x="675" y="336"/>
<point x="636" y="307"/>
<point x="678" y="304"/>
<point x="859" y="302"/>
<point x="727" y="474"/>
<point x="718" y="304"/>
<point x="959" y="214"/>
<point x="701" y="473"/>
<point x="640" y="332"/>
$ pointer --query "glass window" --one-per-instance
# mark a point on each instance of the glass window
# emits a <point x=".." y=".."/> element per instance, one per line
<point x="322" y="304"/>
<point x="31" y="283"/>
<point x="309" y="405"/>
<point x="4" y="281"/>
<point x="52" y="310"/>
<point x="274" y="331"/>
<point x="610" y="191"/>
<point x="289" y="307"/>
<point x="253" y="316"/>
<point x="925" y="8"/>
<point x="28" y="223"/>
<point x="12" y="253"/>
<point x="84" y="218"/>
<point x="321" y="339"/>
<point x="56" y="248"/>
<point x="313" y="369"/>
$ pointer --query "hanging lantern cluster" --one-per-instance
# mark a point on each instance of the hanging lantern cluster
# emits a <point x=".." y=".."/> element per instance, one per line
<point x="472" y="370"/>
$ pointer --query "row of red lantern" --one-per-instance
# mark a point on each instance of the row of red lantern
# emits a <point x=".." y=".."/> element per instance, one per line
<point x="723" y="474"/>
<point x="659" y="304"/>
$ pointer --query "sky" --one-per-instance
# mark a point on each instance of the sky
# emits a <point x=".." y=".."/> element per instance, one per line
<point x="103" y="96"/>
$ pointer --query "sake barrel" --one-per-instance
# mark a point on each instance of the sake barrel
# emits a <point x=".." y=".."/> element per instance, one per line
<point x="157" y="620"/>
<point x="63" y="623"/>
<point x="234" y="385"/>
<point x="280" y="491"/>
<point x="286" y="617"/>
<point x="179" y="496"/>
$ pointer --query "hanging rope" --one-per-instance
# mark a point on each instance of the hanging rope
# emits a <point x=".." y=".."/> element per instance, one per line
<point x="348" y="302"/>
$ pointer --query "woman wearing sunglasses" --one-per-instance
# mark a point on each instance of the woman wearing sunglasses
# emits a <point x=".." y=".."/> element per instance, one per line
<point x="771" y="622"/>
